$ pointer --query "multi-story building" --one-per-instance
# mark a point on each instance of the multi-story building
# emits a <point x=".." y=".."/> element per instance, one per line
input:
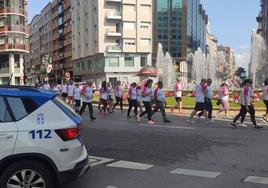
<point x="181" y="28"/>
<point x="226" y="66"/>
<point x="40" y="43"/>
<point x="112" y="39"/>
<point x="13" y="40"/>
<point x="262" y="19"/>
<point x="62" y="37"/>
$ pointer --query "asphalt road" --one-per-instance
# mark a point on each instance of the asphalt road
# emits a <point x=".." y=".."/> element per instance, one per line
<point x="125" y="154"/>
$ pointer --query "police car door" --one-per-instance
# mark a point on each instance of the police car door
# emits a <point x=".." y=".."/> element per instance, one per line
<point x="8" y="130"/>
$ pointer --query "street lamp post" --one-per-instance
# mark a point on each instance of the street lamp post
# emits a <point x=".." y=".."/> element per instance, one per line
<point x="46" y="62"/>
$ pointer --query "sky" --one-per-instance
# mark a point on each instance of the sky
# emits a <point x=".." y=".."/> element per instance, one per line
<point x="231" y="21"/>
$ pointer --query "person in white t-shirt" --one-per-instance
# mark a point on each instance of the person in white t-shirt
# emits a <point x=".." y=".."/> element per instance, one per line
<point x="103" y="93"/>
<point x="246" y="93"/>
<point x="87" y="98"/>
<point x="160" y="101"/>
<point x="77" y="97"/>
<point x="118" y="93"/>
<point x="178" y="95"/>
<point x="132" y="95"/>
<point x="147" y="96"/>
<point x="46" y="86"/>
<point x="265" y="98"/>
<point x="64" y="91"/>
<point x="208" y="98"/>
<point x="200" y="92"/>
<point x="70" y="92"/>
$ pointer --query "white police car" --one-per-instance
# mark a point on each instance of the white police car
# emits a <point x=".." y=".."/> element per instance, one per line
<point x="40" y="143"/>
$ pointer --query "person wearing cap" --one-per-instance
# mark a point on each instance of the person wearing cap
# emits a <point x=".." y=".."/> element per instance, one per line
<point x="178" y="95"/>
<point x="224" y="98"/>
<point x="87" y="97"/>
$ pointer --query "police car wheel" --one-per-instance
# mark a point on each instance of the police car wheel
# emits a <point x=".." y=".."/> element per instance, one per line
<point x="27" y="174"/>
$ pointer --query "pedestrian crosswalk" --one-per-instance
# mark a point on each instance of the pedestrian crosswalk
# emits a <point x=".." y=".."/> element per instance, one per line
<point x="199" y="173"/>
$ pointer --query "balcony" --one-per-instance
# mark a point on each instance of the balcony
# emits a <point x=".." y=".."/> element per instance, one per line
<point x="112" y="33"/>
<point x="113" y="16"/>
<point x="113" y="1"/>
<point x="114" y="49"/>
<point x="13" y="10"/>
<point x="4" y="71"/>
<point x="13" y="28"/>
<point x="8" y="47"/>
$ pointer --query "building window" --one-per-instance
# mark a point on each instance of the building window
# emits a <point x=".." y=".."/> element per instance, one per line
<point x="145" y="25"/>
<point x="60" y="21"/>
<point x="143" y="61"/>
<point x="2" y="22"/>
<point x="129" y="61"/>
<point x="129" y="25"/>
<point x="145" y="42"/>
<point x="2" y="40"/>
<point x="61" y="31"/>
<point x="112" y="62"/>
<point x="129" y="42"/>
<point x="60" y="9"/>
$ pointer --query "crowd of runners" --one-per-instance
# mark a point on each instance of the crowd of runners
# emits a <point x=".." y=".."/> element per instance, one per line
<point x="147" y="99"/>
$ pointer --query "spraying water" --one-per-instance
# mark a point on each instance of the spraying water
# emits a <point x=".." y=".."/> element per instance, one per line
<point x="258" y="58"/>
<point x="165" y="67"/>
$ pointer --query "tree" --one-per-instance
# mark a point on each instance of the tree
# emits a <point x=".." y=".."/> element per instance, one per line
<point x="241" y="73"/>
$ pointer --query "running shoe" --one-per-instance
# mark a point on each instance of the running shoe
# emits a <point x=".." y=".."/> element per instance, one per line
<point x="129" y="117"/>
<point x="190" y="120"/>
<point x="211" y="121"/>
<point x="233" y="125"/>
<point x="258" y="127"/>
<point x="151" y="122"/>
<point x="166" y="121"/>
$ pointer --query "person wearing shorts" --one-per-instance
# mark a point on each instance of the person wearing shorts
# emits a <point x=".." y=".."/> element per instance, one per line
<point x="64" y="92"/>
<point x="178" y="95"/>
<point x="224" y="96"/>
<point x="201" y="90"/>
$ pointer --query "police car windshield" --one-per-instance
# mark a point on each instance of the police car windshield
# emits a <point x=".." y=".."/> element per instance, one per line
<point x="65" y="107"/>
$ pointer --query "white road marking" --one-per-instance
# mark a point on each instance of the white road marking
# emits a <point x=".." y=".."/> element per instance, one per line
<point x="198" y="173"/>
<point x="167" y="126"/>
<point x="94" y="161"/>
<point x="111" y="186"/>
<point x="130" y="165"/>
<point x="256" y="179"/>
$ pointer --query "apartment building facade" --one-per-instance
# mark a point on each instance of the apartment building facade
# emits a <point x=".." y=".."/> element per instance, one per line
<point x="112" y="39"/>
<point x="13" y="40"/>
<point x="181" y="28"/>
<point x="62" y="37"/>
<point x="40" y="44"/>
